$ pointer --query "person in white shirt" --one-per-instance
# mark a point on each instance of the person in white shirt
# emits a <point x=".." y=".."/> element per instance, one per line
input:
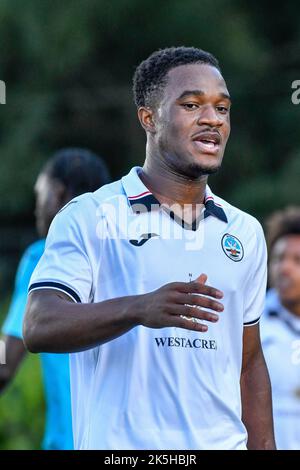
<point x="280" y="325"/>
<point x="157" y="285"/>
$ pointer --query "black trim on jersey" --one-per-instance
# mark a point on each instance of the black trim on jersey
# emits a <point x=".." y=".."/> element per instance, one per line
<point x="212" y="209"/>
<point x="249" y="323"/>
<point x="54" y="285"/>
<point x="273" y="313"/>
<point x="193" y="226"/>
<point x="144" y="204"/>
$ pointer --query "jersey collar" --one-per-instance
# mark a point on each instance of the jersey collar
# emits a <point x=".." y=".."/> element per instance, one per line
<point x="141" y="199"/>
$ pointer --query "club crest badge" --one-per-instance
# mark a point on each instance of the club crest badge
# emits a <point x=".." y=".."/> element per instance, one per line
<point x="232" y="247"/>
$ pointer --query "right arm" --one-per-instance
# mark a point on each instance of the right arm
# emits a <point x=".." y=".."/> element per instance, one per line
<point x="14" y="354"/>
<point x="54" y="323"/>
<point x="13" y="344"/>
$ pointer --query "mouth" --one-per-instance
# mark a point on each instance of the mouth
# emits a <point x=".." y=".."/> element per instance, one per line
<point x="208" y="142"/>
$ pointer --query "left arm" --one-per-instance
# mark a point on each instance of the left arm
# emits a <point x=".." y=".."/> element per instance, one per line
<point x="256" y="393"/>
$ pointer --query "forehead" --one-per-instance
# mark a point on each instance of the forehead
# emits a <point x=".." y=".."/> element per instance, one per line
<point x="289" y="244"/>
<point x="201" y="77"/>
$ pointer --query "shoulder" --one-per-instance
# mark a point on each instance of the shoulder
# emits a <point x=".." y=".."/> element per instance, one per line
<point x="86" y="203"/>
<point x="85" y="217"/>
<point x="240" y="218"/>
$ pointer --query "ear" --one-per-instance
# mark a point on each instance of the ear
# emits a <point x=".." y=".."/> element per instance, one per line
<point x="146" y="117"/>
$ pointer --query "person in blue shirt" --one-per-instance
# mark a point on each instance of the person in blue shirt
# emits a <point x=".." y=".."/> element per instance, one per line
<point x="67" y="174"/>
<point x="280" y="325"/>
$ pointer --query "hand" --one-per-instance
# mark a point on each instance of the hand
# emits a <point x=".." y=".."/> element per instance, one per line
<point x="169" y="305"/>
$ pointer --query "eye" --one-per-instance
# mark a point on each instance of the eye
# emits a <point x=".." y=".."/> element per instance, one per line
<point x="190" y="106"/>
<point x="222" y="109"/>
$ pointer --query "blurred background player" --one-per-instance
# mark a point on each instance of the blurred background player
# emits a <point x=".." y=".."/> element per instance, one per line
<point x="280" y="325"/>
<point x="67" y="174"/>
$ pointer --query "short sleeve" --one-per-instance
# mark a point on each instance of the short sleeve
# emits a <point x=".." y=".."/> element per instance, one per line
<point x="65" y="265"/>
<point x="14" y="320"/>
<point x="255" y="292"/>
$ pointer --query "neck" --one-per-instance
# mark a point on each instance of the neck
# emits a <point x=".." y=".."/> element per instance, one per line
<point x="292" y="307"/>
<point x="170" y="187"/>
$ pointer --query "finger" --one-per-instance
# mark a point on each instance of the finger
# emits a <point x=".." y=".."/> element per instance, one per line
<point x="199" y="301"/>
<point x="190" y="325"/>
<point x="202" y="278"/>
<point x="187" y="311"/>
<point x="180" y="322"/>
<point x="195" y="287"/>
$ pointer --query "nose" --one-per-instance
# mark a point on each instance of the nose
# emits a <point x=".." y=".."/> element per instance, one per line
<point x="209" y="116"/>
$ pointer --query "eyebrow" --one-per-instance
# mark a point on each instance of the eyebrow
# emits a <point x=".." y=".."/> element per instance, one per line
<point x="201" y="93"/>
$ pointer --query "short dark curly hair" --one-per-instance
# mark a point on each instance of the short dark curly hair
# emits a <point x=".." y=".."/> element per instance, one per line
<point x="282" y="223"/>
<point x="150" y="76"/>
<point x="78" y="169"/>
